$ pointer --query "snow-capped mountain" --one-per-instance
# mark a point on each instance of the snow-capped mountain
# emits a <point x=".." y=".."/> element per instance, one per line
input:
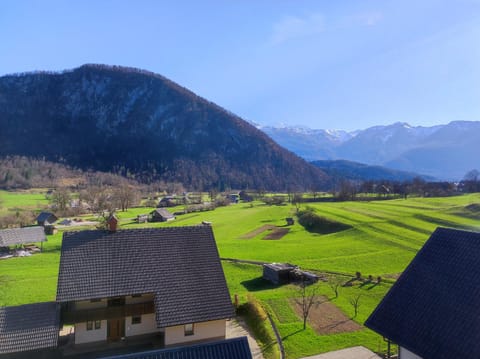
<point x="444" y="151"/>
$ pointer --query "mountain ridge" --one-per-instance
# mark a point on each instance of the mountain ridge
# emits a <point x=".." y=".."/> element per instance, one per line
<point x="111" y="117"/>
<point x="442" y="151"/>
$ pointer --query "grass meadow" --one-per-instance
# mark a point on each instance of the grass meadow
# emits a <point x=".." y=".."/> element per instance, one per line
<point x="383" y="238"/>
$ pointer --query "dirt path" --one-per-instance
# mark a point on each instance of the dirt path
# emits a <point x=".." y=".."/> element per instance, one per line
<point x="237" y="328"/>
<point x="257" y="231"/>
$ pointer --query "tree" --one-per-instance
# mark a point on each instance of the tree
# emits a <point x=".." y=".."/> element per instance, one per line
<point x="307" y="298"/>
<point x="98" y="198"/>
<point x="61" y="199"/>
<point x="472" y="175"/>
<point x="355" y="302"/>
<point x="335" y="282"/>
<point x="124" y="196"/>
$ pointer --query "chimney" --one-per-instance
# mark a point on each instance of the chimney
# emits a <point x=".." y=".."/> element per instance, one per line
<point x="112" y="222"/>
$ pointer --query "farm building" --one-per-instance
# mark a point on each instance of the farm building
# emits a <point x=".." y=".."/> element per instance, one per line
<point x="131" y="293"/>
<point x="167" y="201"/>
<point x="161" y="215"/>
<point x="21" y="236"/>
<point x="278" y="273"/>
<point x="284" y="273"/>
<point x="46" y="218"/>
<point x="142" y="218"/>
<point x="432" y="310"/>
<point x="233" y="197"/>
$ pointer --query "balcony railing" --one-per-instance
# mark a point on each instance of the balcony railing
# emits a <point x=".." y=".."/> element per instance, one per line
<point x="84" y="315"/>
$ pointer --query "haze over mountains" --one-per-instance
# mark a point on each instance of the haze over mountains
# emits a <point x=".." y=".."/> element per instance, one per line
<point x="446" y="152"/>
<point x="131" y="121"/>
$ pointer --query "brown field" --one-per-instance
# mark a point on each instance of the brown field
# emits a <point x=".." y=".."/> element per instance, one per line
<point x="326" y="318"/>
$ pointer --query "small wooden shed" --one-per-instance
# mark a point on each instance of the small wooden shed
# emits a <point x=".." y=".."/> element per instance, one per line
<point x="161" y="215"/>
<point x="278" y="273"/>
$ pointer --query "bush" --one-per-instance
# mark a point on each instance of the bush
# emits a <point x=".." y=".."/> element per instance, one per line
<point x="317" y="224"/>
<point x="257" y="320"/>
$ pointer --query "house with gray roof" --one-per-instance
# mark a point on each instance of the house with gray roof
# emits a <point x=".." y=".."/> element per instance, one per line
<point x="163" y="283"/>
<point x="433" y="311"/>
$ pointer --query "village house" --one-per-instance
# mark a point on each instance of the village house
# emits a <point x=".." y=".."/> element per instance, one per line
<point x="432" y="310"/>
<point x="160" y="284"/>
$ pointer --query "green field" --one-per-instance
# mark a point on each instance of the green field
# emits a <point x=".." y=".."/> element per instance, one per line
<point x="383" y="238"/>
<point x="10" y="202"/>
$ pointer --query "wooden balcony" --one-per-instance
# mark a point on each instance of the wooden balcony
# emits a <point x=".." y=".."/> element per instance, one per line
<point x="84" y="315"/>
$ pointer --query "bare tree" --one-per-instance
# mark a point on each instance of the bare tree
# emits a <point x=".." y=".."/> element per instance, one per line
<point x="61" y="199"/>
<point x="99" y="198"/>
<point x="355" y="302"/>
<point x="308" y="297"/>
<point x="335" y="282"/>
<point x="124" y="196"/>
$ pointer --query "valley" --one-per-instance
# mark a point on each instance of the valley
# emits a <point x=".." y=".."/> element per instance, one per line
<point x="382" y="239"/>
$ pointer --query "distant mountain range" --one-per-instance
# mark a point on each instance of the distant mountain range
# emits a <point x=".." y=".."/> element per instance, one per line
<point x="126" y="120"/>
<point x="446" y="152"/>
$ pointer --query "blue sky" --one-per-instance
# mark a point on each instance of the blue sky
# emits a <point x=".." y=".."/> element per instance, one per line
<point x="322" y="64"/>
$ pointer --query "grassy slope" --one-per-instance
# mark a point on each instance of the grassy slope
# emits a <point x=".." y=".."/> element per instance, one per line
<point x="384" y="238"/>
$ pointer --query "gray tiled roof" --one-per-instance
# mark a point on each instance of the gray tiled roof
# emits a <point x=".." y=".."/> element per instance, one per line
<point x="9" y="237"/>
<point x="180" y="265"/>
<point x="29" y="327"/>
<point x="236" y="348"/>
<point x="433" y="309"/>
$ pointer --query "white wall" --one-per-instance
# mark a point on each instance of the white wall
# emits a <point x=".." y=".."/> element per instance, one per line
<point x="148" y="325"/>
<point x="405" y="354"/>
<point x="202" y="331"/>
<point x="82" y="335"/>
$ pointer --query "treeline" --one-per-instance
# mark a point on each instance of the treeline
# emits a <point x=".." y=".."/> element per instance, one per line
<point x="351" y="190"/>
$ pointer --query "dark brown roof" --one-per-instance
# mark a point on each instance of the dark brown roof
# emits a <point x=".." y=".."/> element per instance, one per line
<point x="9" y="237"/>
<point x="180" y="265"/>
<point x="29" y="327"/>
<point x="235" y="348"/>
<point x="433" y="309"/>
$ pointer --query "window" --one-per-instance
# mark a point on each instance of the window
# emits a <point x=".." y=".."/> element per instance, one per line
<point x="136" y="295"/>
<point x="98" y="324"/>
<point x="137" y="319"/>
<point x="188" y="329"/>
<point x="89" y="325"/>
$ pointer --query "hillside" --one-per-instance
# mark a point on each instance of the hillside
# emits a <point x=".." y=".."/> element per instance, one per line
<point x="113" y="118"/>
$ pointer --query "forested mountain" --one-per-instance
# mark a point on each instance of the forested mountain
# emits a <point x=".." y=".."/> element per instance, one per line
<point x="349" y="170"/>
<point x="127" y="120"/>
